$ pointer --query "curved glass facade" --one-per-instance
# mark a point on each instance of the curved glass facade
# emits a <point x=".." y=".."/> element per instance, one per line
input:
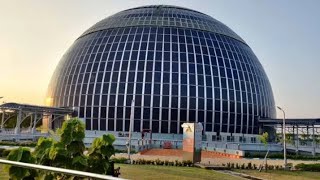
<point x="176" y="70"/>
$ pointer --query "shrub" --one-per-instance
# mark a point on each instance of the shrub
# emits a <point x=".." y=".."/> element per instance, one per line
<point x="24" y="143"/>
<point x="157" y="162"/>
<point x="308" y="167"/>
<point x="176" y="162"/>
<point x="166" y="162"/>
<point x="124" y="151"/>
<point x="149" y="162"/>
<point x="5" y="153"/>
<point x="139" y="161"/>
<point x="232" y="165"/>
<point x="189" y="163"/>
<point x="184" y="163"/>
<point x="1" y="150"/>
<point x="280" y="156"/>
<point x="120" y="160"/>
<point x="67" y="153"/>
<point x="22" y="155"/>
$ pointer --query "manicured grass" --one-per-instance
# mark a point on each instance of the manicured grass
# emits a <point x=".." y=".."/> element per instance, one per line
<point x="280" y="175"/>
<point x="169" y="172"/>
<point x="193" y="173"/>
<point x="158" y="172"/>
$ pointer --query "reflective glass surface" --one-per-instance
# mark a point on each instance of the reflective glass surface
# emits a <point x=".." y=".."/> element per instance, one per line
<point x="175" y="73"/>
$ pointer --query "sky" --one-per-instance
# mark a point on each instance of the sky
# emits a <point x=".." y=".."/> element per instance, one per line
<point x="284" y="35"/>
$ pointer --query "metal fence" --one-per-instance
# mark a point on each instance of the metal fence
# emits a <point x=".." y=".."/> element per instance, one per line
<point x="59" y="170"/>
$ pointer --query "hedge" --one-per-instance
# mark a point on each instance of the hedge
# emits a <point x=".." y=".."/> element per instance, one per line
<point x="154" y="162"/>
<point x="25" y="143"/>
<point x="280" y="156"/>
<point x="308" y="167"/>
<point x="159" y="162"/>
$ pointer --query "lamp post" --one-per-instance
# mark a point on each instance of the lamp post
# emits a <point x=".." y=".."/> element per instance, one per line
<point x="284" y="137"/>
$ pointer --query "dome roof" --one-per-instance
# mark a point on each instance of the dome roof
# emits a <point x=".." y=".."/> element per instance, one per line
<point x="179" y="65"/>
<point x="163" y="15"/>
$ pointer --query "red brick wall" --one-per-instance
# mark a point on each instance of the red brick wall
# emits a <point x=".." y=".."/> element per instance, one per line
<point x="178" y="153"/>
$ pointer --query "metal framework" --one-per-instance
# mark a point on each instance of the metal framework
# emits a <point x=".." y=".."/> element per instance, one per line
<point x="305" y="132"/>
<point x="24" y="111"/>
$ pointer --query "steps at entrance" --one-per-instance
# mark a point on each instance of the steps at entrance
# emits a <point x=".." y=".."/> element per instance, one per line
<point x="179" y="152"/>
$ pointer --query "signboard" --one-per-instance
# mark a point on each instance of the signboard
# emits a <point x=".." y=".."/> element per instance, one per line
<point x="192" y="141"/>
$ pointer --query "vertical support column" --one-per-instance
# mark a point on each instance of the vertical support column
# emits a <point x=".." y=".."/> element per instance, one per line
<point x="313" y="142"/>
<point x="2" y="119"/>
<point x="130" y="129"/>
<point x="298" y="142"/>
<point x="30" y="125"/>
<point x="33" y="130"/>
<point x="282" y="133"/>
<point x="260" y="129"/>
<point x="18" y="122"/>
<point x="49" y="122"/>
<point x="308" y="135"/>
<point x="293" y="137"/>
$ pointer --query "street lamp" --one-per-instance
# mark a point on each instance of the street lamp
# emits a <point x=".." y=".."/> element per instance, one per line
<point x="284" y="137"/>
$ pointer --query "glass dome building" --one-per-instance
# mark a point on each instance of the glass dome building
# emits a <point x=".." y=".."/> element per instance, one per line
<point x="179" y="65"/>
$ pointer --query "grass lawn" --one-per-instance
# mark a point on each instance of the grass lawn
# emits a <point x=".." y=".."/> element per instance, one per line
<point x="280" y="175"/>
<point x="169" y="172"/>
<point x="192" y="173"/>
<point x="158" y="172"/>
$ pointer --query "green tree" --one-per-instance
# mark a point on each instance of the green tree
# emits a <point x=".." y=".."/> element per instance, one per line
<point x="100" y="153"/>
<point x="22" y="155"/>
<point x="290" y="138"/>
<point x="68" y="152"/>
<point x="317" y="138"/>
<point x="264" y="138"/>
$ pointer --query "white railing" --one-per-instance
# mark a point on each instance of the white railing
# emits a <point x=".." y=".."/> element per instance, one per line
<point x="7" y="131"/>
<point x="58" y="170"/>
<point x="243" y="146"/>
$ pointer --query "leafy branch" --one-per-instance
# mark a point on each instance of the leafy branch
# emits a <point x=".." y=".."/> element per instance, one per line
<point x="67" y="152"/>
